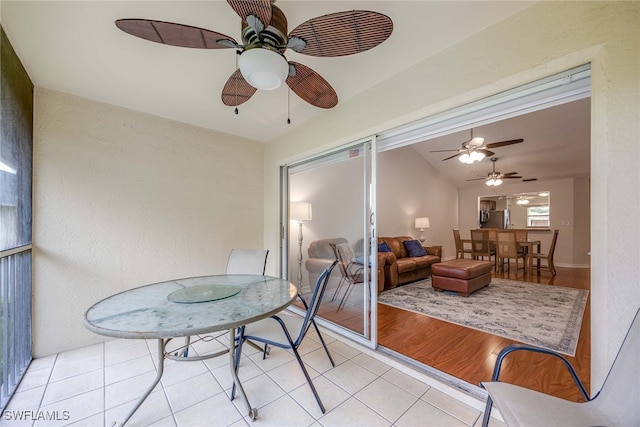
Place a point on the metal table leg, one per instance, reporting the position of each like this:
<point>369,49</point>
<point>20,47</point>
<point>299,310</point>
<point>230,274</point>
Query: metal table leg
<point>253,412</point>
<point>161,347</point>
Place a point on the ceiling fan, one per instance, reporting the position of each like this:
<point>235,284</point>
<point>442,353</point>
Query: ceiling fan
<point>495,178</point>
<point>474,149</point>
<point>261,60</point>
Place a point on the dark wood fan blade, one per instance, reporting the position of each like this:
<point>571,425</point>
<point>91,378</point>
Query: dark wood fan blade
<point>312,87</point>
<point>452,157</point>
<point>511,177</point>
<point>446,151</point>
<point>261,9</point>
<point>237,91</point>
<point>476,179</point>
<point>173,34</point>
<point>486,152</point>
<point>510,173</point>
<point>503,143</point>
<point>343,33</point>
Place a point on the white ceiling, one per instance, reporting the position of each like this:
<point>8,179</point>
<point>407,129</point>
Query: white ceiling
<point>74,47</point>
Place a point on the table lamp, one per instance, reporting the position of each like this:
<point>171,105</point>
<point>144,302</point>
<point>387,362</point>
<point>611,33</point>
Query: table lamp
<point>422,223</point>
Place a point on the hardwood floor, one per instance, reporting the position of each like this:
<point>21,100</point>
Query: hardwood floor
<point>469,354</point>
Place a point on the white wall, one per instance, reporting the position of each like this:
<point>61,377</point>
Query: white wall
<point>546,38</point>
<point>409,187</point>
<point>123,199</point>
<point>569,213</point>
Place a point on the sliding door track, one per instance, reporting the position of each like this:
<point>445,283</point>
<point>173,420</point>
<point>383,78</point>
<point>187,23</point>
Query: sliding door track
<point>454,382</point>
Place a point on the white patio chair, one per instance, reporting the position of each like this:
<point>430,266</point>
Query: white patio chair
<point>247,261</point>
<point>240,261</point>
<point>616,404</point>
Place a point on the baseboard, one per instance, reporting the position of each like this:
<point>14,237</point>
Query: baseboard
<point>543,264</point>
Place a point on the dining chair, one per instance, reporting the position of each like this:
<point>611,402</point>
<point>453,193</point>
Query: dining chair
<point>521,234</point>
<point>240,261</point>
<point>460,250</point>
<point>351,270</point>
<point>548,256</point>
<point>616,404</point>
<point>287,331</point>
<point>508,248</point>
<point>481,246</point>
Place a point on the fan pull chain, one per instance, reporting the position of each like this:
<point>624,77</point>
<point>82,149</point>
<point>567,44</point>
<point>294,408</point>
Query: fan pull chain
<point>236,86</point>
<point>288,105</point>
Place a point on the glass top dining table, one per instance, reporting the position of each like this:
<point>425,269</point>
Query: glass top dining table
<point>188,307</point>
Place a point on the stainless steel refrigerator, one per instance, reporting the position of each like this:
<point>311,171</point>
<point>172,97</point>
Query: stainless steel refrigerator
<point>497,219</point>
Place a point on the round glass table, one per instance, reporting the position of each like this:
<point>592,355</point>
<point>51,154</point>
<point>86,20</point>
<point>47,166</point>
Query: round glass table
<point>188,307</point>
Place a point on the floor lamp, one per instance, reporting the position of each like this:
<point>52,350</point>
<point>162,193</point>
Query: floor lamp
<point>300,211</point>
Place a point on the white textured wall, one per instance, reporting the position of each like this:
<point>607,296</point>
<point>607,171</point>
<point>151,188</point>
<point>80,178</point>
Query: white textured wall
<point>547,38</point>
<point>409,187</point>
<point>123,199</point>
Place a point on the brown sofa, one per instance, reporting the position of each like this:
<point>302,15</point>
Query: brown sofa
<point>400,268</point>
<point>321,255</point>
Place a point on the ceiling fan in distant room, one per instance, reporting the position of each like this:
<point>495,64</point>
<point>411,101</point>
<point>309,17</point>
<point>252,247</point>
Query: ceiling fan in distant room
<point>474,149</point>
<point>261,60</point>
<point>495,178</point>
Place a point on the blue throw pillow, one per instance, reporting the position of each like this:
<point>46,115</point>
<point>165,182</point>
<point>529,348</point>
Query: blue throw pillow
<point>414,248</point>
<point>383,247</point>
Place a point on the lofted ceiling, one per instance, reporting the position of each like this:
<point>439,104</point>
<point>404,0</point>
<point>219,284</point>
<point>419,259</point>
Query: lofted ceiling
<point>556,146</point>
<point>75,47</point>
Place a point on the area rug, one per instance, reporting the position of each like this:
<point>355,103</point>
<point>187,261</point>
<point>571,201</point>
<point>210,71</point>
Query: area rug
<point>541,315</point>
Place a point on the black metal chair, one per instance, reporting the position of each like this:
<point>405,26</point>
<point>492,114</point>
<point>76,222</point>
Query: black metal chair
<point>277,331</point>
<point>352,271</point>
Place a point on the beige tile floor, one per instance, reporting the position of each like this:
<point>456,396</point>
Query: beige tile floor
<point>97,385</point>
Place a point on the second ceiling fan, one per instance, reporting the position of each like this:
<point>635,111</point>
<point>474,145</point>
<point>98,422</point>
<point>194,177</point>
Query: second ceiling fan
<point>474,149</point>
<point>495,178</point>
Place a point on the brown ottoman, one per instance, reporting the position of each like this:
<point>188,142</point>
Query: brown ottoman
<point>461,275</point>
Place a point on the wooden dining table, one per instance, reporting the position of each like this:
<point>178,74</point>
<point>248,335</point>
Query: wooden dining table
<point>527,244</point>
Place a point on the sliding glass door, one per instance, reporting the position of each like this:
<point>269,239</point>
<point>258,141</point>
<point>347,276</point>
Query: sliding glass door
<point>328,213</point>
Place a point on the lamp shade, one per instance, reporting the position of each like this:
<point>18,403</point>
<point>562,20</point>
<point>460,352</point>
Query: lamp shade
<point>263,68</point>
<point>300,211</point>
<point>422,222</point>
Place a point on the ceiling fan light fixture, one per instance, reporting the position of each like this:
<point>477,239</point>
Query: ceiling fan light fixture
<point>476,156</point>
<point>494,182</point>
<point>471,156</point>
<point>263,69</point>
<point>466,158</point>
